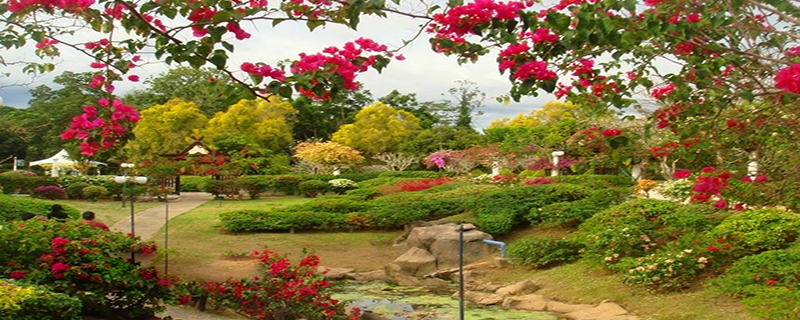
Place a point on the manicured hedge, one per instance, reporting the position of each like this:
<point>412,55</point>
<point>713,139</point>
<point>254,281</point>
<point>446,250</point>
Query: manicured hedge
<point>22,182</point>
<point>13,207</point>
<point>342,212</point>
<point>498,211</point>
<point>573,213</point>
<point>597,181</point>
<point>544,252</point>
<point>190,183</point>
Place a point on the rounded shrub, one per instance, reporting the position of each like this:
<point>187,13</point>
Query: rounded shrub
<point>75,190</point>
<point>13,208</point>
<point>94,192</point>
<point>28,302</point>
<point>544,252</point>
<point>754,231</point>
<point>312,188</point>
<point>49,192</point>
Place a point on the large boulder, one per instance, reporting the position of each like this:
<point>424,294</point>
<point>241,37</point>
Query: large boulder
<point>442,241</point>
<point>414,262</point>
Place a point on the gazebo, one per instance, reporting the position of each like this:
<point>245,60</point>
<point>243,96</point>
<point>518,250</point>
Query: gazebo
<point>62,160</point>
<point>196,148</point>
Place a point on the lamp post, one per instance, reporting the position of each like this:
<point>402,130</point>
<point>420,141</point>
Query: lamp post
<point>125,166</point>
<point>134,180</point>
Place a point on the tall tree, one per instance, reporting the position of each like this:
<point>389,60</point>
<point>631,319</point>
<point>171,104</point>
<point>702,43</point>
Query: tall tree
<point>467,98</point>
<point>424,111</point>
<point>259,125</point>
<point>378,128</point>
<point>204,87</point>
<point>51,110</point>
<point>319,119</point>
<point>166,129</point>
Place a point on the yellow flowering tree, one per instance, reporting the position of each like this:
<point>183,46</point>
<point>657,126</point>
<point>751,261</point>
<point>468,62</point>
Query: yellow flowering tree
<point>166,129</point>
<point>259,125</point>
<point>327,156</point>
<point>378,128</point>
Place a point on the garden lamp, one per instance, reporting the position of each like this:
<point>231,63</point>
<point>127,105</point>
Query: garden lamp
<point>124,180</point>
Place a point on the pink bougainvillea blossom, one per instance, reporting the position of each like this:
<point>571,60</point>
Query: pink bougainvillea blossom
<point>789,79</point>
<point>682,174</point>
<point>662,91</point>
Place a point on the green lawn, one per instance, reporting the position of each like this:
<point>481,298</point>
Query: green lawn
<point>196,241</point>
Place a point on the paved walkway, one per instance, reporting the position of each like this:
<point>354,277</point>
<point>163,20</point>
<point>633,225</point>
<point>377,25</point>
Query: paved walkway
<point>148,222</point>
<point>146,225</point>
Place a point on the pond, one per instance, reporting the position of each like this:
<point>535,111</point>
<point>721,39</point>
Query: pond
<point>407,303</point>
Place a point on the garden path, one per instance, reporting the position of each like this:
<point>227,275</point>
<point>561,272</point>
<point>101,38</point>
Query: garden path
<point>148,222</point>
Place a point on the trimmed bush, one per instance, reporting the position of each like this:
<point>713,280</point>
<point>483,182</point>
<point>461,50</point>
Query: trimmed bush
<point>286,183</point>
<point>192,183</point>
<point>22,181</point>
<point>330,204</point>
<point>94,192</point>
<point>597,181</point>
<point>12,208</point>
<point>364,193</point>
<point>413,174</point>
<point>253,185</point>
<point>312,188</point>
<point>544,252</point>
<point>638,227</point>
<point>75,190</point>
<point>497,212</point>
<point>573,213</point>
<point>49,192</point>
<point>26,302</point>
<point>259,220</point>
<point>768,283</point>
<point>753,231</point>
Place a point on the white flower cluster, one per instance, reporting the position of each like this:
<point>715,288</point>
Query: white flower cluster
<point>342,183</point>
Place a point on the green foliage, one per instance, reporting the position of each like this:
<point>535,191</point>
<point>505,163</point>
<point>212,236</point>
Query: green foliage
<point>497,212</point>
<point>413,174</point>
<point>88,263</point>
<point>75,189</point>
<point>670,269</point>
<point>253,185</point>
<point>191,183</point>
<point>94,192</point>
<point>377,128</point>
<point>754,231</point>
<point>12,208</point>
<point>166,128</point>
<point>286,183</point>
<point>544,252</point>
<point>22,182</point>
<point>312,188</point>
<point>364,193</point>
<point>767,282</point>
<point>597,181</point>
<point>573,213</point>
<point>27,302</point>
<point>680,189</point>
<point>638,227</point>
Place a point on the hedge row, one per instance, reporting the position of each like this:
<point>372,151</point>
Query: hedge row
<point>343,212</point>
<point>27,302</point>
<point>499,211</point>
<point>573,213</point>
<point>13,207</point>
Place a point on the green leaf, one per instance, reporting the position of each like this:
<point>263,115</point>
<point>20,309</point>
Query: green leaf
<point>617,55</point>
<point>221,16</point>
<point>219,59</point>
<point>313,24</point>
<point>549,85</point>
<point>37,36</point>
<point>630,5</point>
<point>196,62</point>
<point>560,22</point>
<point>747,95</point>
<point>227,46</point>
<point>285,91</point>
<point>453,3</point>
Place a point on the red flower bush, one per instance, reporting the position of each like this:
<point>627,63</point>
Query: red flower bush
<point>418,185</point>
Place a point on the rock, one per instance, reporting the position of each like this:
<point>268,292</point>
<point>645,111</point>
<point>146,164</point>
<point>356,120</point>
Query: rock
<point>414,262</point>
<point>335,273</point>
<point>531,302</point>
<point>603,311</point>
<point>480,298</point>
<point>405,281</point>
<point>375,275</point>
<point>371,316</point>
<point>442,242</point>
<point>484,286</point>
<point>503,262</point>
<point>562,307</point>
<point>523,287</point>
<point>433,283</point>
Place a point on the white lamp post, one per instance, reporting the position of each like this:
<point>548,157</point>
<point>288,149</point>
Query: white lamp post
<point>556,154</point>
<point>134,180</point>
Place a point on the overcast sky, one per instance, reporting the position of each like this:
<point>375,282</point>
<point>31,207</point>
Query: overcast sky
<point>424,72</point>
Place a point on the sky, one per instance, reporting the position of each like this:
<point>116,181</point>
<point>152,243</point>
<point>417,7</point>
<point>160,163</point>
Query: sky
<point>423,72</point>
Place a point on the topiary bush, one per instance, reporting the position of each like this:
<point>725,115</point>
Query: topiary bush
<point>94,192</point>
<point>192,183</point>
<point>597,181</point>
<point>28,302</point>
<point>498,211</point>
<point>23,181</point>
<point>312,188</point>
<point>49,192</point>
<point>544,252</point>
<point>413,174</point>
<point>12,208</point>
<point>753,231</point>
<point>75,190</point>
<point>286,183</point>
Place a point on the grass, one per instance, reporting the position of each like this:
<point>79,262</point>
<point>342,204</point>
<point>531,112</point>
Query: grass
<point>107,211</point>
<point>197,240</point>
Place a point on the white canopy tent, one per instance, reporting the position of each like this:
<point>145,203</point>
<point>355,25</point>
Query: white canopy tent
<point>61,160</point>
